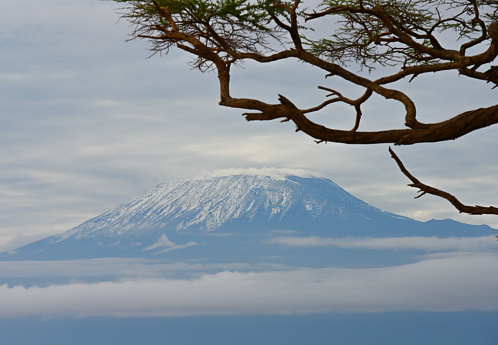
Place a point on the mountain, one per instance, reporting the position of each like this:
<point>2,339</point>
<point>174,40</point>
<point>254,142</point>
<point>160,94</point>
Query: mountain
<point>230,218</point>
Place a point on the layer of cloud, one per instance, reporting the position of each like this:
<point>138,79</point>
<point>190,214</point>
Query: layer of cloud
<point>276,173</point>
<point>450,283</point>
<point>168,245</point>
<point>117,268</point>
<point>393,243</point>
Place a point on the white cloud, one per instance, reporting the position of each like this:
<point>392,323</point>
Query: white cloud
<point>441,284</point>
<point>116,268</point>
<point>393,243</point>
<point>165,242</point>
<point>276,173</point>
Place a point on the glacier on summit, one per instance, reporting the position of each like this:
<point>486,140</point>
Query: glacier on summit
<point>231,211</point>
<point>209,203</point>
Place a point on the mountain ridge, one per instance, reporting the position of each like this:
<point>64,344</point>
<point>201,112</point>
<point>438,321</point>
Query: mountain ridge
<point>186,213</point>
<point>207,203</point>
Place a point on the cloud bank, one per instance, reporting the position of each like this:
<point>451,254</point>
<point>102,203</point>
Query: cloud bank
<point>447,283</point>
<point>393,243</point>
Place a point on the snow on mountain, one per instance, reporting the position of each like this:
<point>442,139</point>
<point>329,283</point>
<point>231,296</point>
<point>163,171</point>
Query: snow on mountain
<point>209,203</point>
<point>178,215</point>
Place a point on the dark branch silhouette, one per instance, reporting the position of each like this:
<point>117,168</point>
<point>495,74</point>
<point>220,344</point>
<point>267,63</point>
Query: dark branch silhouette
<point>426,189</point>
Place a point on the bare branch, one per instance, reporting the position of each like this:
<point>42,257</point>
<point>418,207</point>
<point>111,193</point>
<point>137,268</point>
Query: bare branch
<point>426,189</point>
<point>451,129</point>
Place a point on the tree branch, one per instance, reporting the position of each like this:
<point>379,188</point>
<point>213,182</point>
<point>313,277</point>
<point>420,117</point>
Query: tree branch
<point>426,189</point>
<point>451,129</point>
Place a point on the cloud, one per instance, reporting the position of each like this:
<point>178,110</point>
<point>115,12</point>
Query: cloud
<point>116,268</point>
<point>450,283</point>
<point>165,242</point>
<point>393,243</point>
<point>276,173</point>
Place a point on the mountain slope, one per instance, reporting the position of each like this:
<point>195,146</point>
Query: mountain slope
<point>207,204</point>
<point>227,212</point>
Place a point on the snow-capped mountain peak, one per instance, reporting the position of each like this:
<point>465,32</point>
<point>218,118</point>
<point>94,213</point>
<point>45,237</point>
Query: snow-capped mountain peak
<point>227,211</point>
<point>208,203</point>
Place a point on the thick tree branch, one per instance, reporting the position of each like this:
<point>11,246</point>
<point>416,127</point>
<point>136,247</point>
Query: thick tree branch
<point>451,129</point>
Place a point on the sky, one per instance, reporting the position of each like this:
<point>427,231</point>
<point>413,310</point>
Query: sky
<point>88,120</point>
